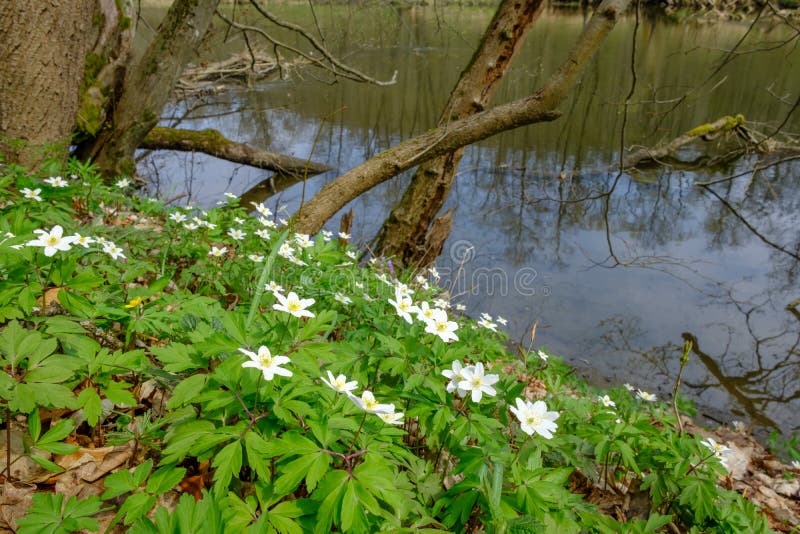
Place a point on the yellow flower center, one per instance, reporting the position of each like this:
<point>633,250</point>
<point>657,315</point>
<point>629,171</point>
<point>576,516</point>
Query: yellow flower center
<point>266,360</point>
<point>294,305</point>
<point>534,419</point>
<point>52,240</point>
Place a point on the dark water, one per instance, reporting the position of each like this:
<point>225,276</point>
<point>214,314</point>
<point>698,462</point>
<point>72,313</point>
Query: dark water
<point>616,270</point>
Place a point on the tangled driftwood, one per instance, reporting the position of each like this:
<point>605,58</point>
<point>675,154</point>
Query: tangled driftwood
<point>243,68</point>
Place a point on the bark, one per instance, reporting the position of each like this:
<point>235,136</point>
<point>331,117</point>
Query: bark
<point>42,50</point>
<point>213,143</point>
<point>404,234</point>
<point>105,67</point>
<point>148,84</point>
<point>538,107</point>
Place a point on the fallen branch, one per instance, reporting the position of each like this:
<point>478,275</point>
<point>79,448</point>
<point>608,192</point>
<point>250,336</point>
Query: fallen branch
<point>705,131</point>
<point>213,143</point>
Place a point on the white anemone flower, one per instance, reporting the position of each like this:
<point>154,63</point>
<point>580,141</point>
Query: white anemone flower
<point>262,209</point>
<point>293,304</point>
<point>344,236</point>
<point>114,251</point>
<point>488,324</point>
<point>340,383</point>
<point>191,226</point>
<point>425,313</point>
<point>303,240</point>
<point>368,403</point>
<point>52,241</point>
<point>395,418</point>
<point>83,240</point>
<point>177,216</point>
<point>717,448</point>
<point>122,183</point>
<point>236,234</point>
<point>502,320</point>
<point>32,193</point>
<point>606,401</point>
<point>645,396</point>
<point>56,181</point>
<point>534,417</point>
<point>442,327</point>
<point>265,362</point>
<point>476,381</point>
<point>274,287</point>
<point>217,251</point>
<point>344,299</point>
<point>455,375</point>
<point>542,354</point>
<point>404,306</point>
<point>257,258</point>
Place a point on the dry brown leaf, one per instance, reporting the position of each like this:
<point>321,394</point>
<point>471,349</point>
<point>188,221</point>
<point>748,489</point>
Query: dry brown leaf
<point>15,499</point>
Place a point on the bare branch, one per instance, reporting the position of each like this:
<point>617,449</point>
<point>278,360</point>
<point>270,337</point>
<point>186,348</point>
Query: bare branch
<point>334,66</point>
<point>213,143</point>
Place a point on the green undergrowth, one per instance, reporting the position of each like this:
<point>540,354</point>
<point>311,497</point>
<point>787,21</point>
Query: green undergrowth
<point>162,331</point>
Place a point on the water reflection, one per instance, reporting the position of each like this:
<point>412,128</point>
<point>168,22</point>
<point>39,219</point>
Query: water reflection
<point>617,271</point>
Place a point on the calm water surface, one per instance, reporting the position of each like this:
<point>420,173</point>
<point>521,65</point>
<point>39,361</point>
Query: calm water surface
<point>617,271</point>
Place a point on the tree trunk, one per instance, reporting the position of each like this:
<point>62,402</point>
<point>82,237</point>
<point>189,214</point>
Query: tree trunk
<point>42,51</point>
<point>148,84</point>
<point>535,108</point>
<point>404,234</point>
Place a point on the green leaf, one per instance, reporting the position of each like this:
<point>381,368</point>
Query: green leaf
<point>135,506</point>
<point>293,473</point>
<point>322,322</point>
<point>34,425</point>
<point>186,390</point>
<point>50,395</point>
<point>141,472</point>
<point>164,479</point>
<point>227,464</point>
<point>77,305</point>
<point>48,513</point>
<point>178,357</point>
<point>350,507</point>
<point>47,464</point>
<point>118,393</point>
<point>92,405</point>
<point>118,483</point>
<point>57,432</point>
<point>257,455</point>
<point>332,488</point>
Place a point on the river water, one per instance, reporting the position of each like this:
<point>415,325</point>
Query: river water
<point>615,270</point>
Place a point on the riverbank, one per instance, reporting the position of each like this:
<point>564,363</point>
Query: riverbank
<point>166,364</point>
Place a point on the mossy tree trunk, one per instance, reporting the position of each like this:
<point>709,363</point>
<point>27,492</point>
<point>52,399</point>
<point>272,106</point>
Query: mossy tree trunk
<point>42,51</point>
<point>147,86</point>
<point>405,233</point>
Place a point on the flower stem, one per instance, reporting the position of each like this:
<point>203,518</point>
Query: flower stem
<point>355,437</point>
<point>262,280</point>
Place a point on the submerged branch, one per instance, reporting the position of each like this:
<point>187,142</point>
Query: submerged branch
<point>213,143</point>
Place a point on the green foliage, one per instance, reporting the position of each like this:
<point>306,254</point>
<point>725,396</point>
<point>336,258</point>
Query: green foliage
<point>49,513</point>
<point>252,402</point>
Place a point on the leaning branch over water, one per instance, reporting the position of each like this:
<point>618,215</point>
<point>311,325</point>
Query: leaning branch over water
<point>213,143</point>
<point>538,107</point>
